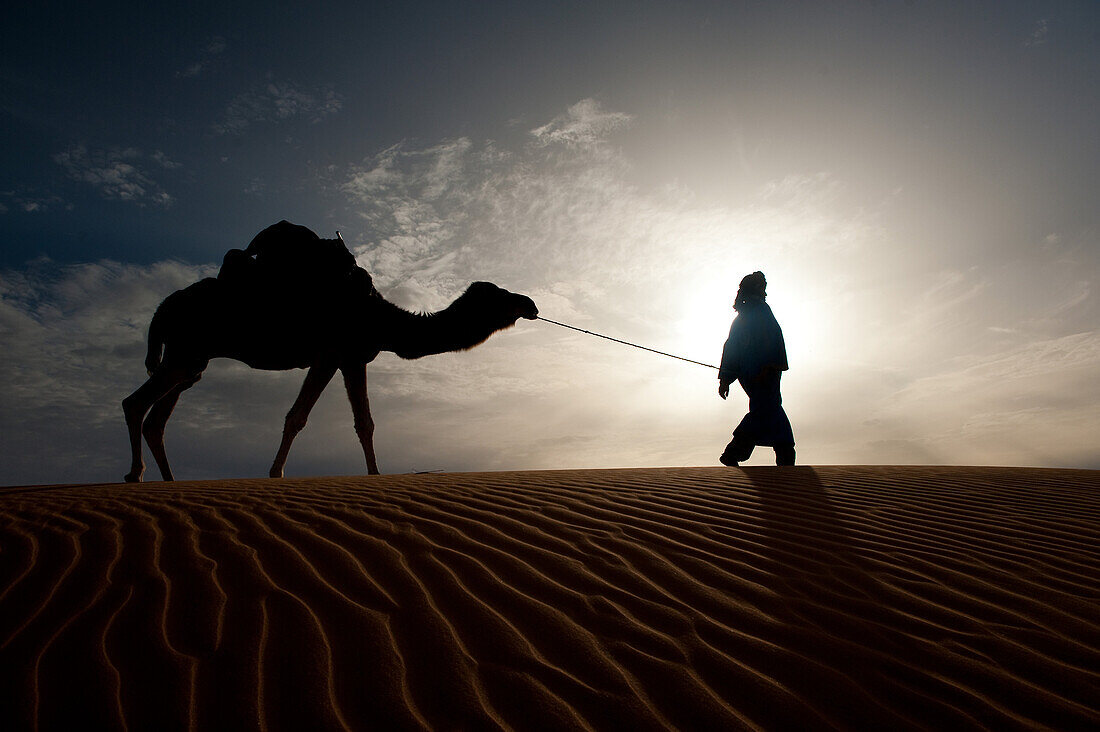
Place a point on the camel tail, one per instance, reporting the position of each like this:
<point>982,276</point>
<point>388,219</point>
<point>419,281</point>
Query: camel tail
<point>156,342</point>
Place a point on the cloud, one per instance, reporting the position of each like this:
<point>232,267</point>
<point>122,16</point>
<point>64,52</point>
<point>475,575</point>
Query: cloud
<point>117,173</point>
<point>255,187</point>
<point>210,50</point>
<point>1039,33</point>
<point>30,203</point>
<point>277,101</point>
<point>1031,404</point>
<point>162,160</point>
<point>215,46</point>
<point>74,338</point>
<point>584,123</point>
<point>572,218</point>
<point>399,171</point>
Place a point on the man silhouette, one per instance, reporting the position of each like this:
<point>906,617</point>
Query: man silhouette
<point>755,356</point>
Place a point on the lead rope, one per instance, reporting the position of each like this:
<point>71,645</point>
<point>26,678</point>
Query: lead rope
<point>625,343</point>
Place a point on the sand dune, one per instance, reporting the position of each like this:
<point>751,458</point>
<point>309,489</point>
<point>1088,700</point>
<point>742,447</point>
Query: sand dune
<point>850,597</point>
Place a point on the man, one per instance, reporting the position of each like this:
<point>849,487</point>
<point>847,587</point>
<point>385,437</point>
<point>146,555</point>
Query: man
<point>756,356</point>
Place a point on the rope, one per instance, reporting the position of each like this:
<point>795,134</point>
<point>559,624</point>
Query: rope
<point>625,343</point>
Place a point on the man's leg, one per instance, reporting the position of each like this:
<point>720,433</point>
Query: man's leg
<point>738,451</point>
<point>784,455</point>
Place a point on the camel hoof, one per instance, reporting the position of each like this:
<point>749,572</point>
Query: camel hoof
<point>133,477</point>
<point>275,473</point>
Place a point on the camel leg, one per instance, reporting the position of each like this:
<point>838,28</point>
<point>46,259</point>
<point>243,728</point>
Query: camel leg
<point>153,427</point>
<point>317,379</point>
<point>162,381</point>
<point>355,380</point>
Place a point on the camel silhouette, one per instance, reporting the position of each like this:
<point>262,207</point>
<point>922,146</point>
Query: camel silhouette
<point>332,325</point>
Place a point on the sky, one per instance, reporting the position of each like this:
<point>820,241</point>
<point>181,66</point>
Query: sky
<point>917,180</point>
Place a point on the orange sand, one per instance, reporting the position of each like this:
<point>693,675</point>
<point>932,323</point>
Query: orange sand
<point>706,598</point>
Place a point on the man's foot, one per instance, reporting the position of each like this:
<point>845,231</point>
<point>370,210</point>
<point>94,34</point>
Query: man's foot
<point>725,459</point>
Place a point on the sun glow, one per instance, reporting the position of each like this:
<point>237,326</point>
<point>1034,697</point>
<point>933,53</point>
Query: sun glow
<point>704,319</point>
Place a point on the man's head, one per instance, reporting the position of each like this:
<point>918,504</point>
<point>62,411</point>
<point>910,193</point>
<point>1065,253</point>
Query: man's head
<point>753,288</point>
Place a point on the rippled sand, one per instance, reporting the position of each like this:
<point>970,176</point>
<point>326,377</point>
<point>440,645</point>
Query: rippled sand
<point>717,598</point>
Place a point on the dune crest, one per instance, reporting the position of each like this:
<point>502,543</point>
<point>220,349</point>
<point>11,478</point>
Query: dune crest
<point>874,597</point>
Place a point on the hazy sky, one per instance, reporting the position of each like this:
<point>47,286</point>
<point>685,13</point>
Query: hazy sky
<point>916,179</point>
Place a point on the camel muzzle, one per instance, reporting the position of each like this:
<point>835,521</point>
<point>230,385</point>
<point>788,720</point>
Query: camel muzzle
<point>527,309</point>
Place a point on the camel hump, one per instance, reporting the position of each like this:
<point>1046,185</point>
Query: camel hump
<point>283,238</point>
<point>238,269</point>
<point>289,254</point>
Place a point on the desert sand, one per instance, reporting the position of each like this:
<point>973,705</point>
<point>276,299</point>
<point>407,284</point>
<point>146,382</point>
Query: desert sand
<point>692,598</point>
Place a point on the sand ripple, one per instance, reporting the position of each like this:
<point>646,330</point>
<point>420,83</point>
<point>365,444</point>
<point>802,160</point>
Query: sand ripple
<point>863,597</point>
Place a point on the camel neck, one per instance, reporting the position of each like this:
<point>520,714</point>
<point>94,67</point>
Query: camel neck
<point>414,335</point>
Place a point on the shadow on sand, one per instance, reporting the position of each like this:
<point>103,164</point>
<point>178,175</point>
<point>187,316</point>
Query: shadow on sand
<point>838,617</point>
<point>888,611</point>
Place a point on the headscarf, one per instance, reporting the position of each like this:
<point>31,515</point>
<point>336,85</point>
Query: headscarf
<point>752,290</point>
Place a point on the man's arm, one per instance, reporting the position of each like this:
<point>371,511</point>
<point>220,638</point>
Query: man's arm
<point>727,371</point>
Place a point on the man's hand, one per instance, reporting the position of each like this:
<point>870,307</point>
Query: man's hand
<point>723,388</point>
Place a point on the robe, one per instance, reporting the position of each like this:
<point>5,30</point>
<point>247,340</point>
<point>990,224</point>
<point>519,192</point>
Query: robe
<point>755,356</point>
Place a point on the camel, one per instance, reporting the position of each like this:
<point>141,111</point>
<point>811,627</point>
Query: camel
<point>211,319</point>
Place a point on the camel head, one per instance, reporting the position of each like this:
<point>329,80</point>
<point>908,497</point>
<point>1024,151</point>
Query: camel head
<point>494,306</point>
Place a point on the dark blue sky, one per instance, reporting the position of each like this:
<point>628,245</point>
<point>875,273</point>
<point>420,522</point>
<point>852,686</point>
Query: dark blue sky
<point>917,179</point>
<point>874,77</point>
